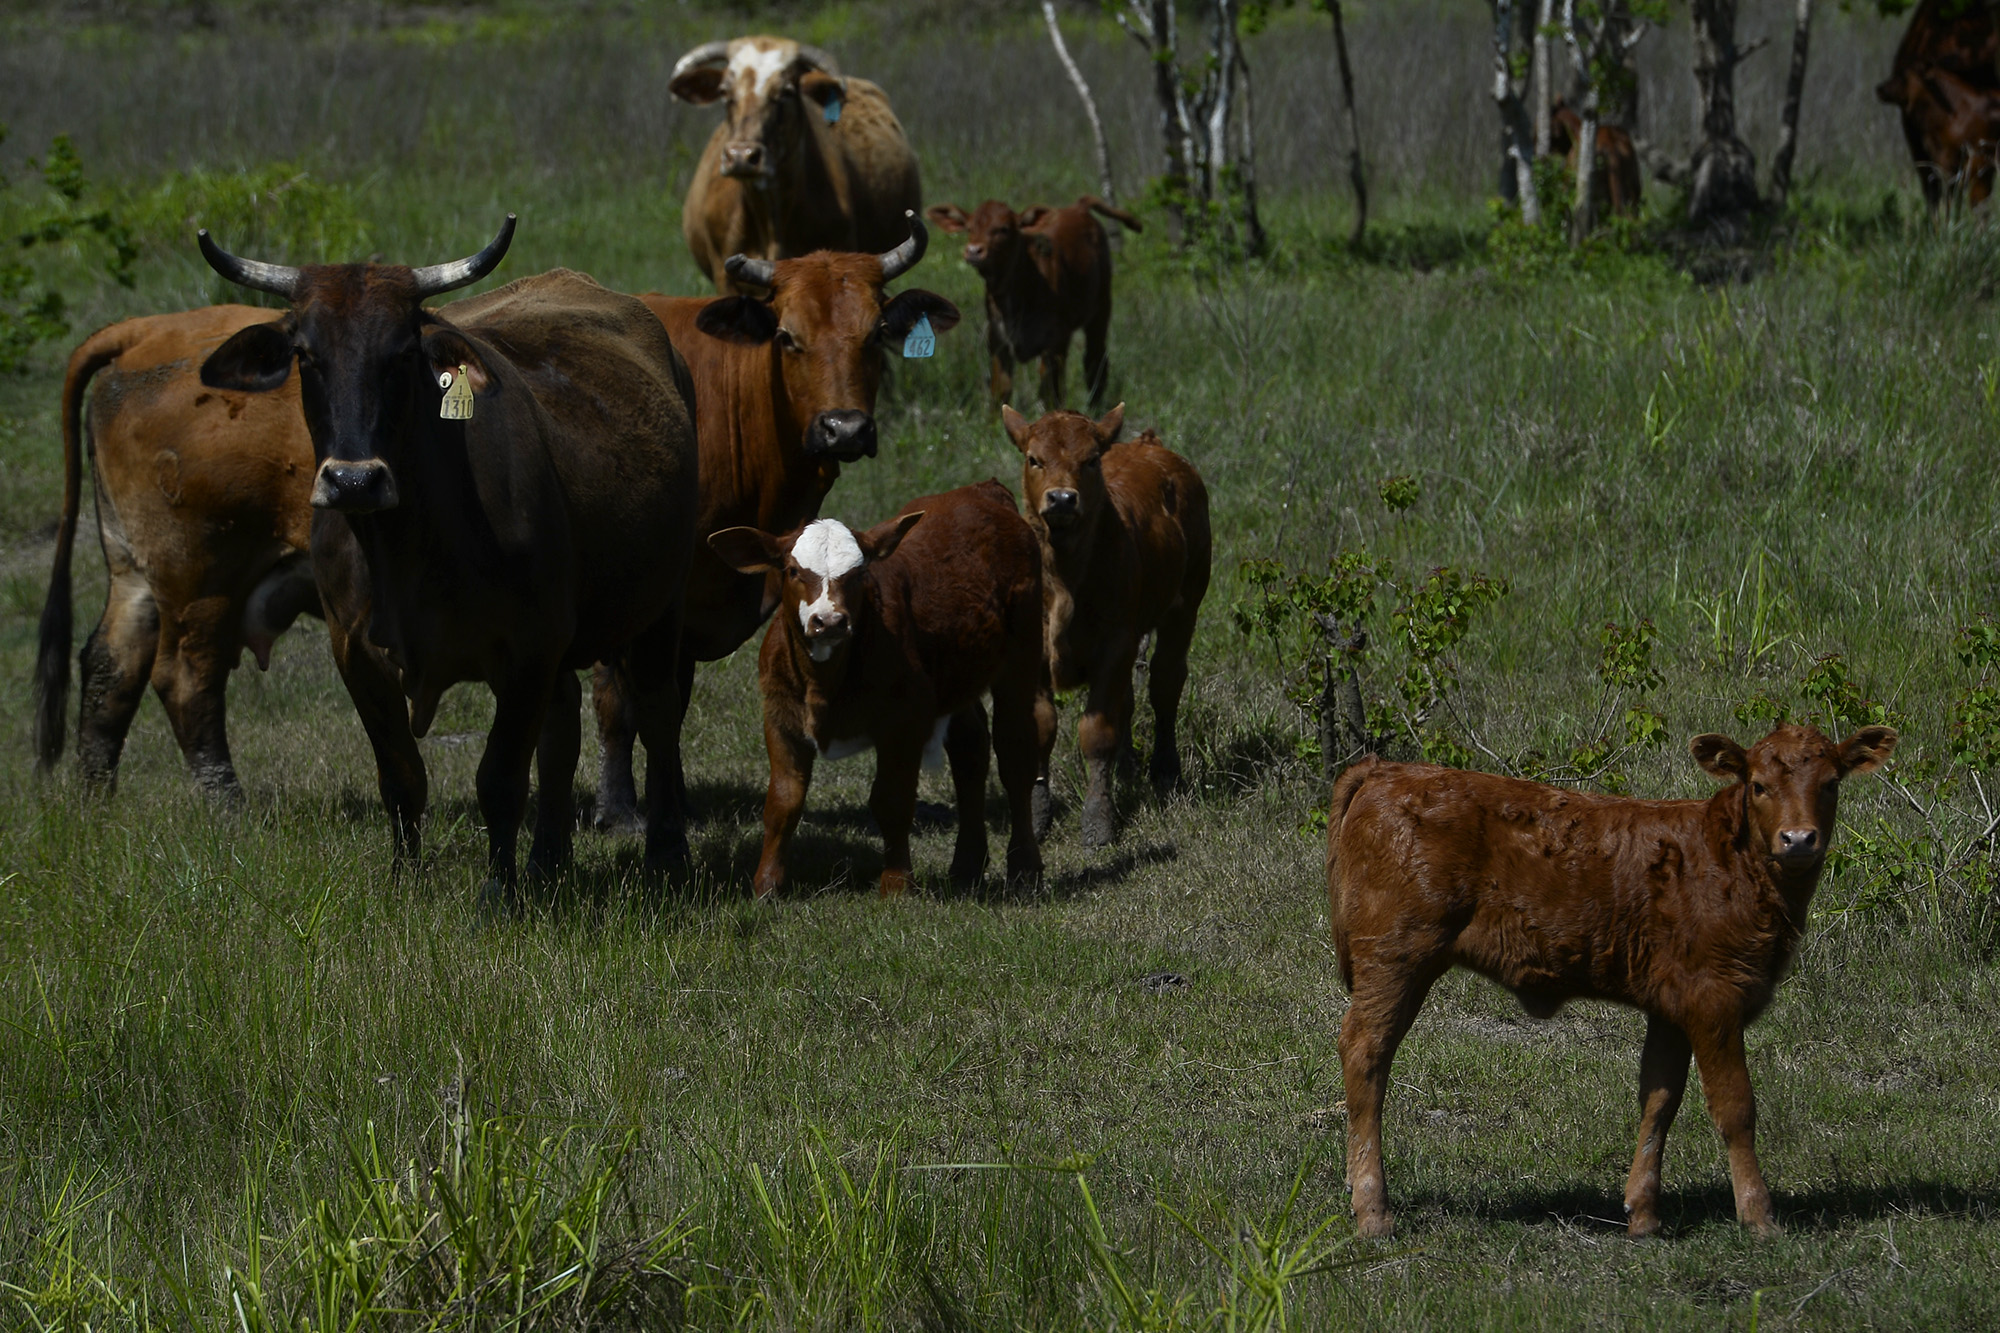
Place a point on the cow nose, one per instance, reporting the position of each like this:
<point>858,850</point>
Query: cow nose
<point>742,159</point>
<point>826,622</point>
<point>1798,841</point>
<point>975,254</point>
<point>846,434</point>
<point>1059,503</point>
<point>362,487</point>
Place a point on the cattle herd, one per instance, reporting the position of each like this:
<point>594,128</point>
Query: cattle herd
<point>551,476</point>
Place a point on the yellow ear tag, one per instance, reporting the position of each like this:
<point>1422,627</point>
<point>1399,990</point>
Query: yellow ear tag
<point>457,404</point>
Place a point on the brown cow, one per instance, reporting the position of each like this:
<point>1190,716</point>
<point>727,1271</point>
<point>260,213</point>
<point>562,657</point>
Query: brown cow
<point>1956,126</point>
<point>202,516</point>
<point>1615,184</point>
<point>806,160</point>
<point>886,639</point>
<point>1959,37</point>
<point>1688,910</point>
<point>1048,274</point>
<point>1125,553</point>
<point>785,391</point>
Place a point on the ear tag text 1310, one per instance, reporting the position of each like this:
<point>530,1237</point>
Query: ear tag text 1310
<point>921,342</point>
<point>832,109</point>
<point>457,404</point>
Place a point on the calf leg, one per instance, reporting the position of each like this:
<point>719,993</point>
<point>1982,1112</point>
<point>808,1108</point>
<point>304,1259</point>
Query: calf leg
<point>1725,1078</point>
<point>1053,364</point>
<point>1106,719</point>
<point>1096,364</point>
<point>617,731</point>
<point>893,802</point>
<point>784,801</point>
<point>385,716</point>
<point>116,662</point>
<point>969,748</point>
<point>1166,677</point>
<point>555,768</point>
<point>1663,1071</point>
<point>1388,992</point>
<point>191,676</point>
<point>1024,724</point>
<point>1042,806</point>
<point>1001,383</point>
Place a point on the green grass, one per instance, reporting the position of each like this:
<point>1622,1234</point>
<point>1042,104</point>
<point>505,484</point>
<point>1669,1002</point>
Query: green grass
<point>249,1078</point>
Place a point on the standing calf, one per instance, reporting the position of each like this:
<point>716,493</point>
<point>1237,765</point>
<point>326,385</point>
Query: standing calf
<point>887,639</point>
<point>1048,274</point>
<point>1688,910</point>
<point>1125,552</point>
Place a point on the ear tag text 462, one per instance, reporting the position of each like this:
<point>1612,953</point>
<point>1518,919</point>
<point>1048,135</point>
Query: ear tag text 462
<point>457,404</point>
<point>832,109</point>
<point>921,342</point>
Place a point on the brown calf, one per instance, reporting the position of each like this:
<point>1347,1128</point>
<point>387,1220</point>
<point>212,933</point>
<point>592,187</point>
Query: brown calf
<point>887,639</point>
<point>1615,183</point>
<point>1958,37</point>
<point>1688,910</point>
<point>1125,552</point>
<point>1953,128</point>
<point>1048,274</point>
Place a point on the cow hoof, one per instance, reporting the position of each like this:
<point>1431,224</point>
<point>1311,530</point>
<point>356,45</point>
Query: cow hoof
<point>498,901</point>
<point>1024,870</point>
<point>619,819</point>
<point>1166,779</point>
<point>1041,809</point>
<point>967,872</point>
<point>1642,1226</point>
<point>1100,826</point>
<point>1376,1226</point>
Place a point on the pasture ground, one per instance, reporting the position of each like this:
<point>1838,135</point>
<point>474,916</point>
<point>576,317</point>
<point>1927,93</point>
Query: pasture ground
<point>236,1052</point>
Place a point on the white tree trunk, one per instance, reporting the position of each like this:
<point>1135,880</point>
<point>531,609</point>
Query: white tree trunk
<point>1104,187</point>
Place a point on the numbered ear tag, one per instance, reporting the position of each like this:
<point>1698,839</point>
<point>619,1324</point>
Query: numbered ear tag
<point>921,342</point>
<point>832,110</point>
<point>457,404</point>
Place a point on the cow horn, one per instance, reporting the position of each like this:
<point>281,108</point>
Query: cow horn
<point>753,272</point>
<point>436,278</point>
<point>815,58</point>
<point>897,262</point>
<point>258,276</point>
<point>708,53</point>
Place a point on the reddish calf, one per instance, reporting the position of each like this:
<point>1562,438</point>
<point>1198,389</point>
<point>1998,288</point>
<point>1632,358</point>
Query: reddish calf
<point>886,639</point>
<point>1048,274</point>
<point>1125,553</point>
<point>1615,183</point>
<point>1953,128</point>
<point>1688,910</point>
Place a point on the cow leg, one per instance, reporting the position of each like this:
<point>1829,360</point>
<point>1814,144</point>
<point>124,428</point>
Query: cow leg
<point>784,801</point>
<point>519,706</point>
<point>555,770</point>
<point>1106,719</point>
<point>893,802</point>
<point>1001,384</point>
<point>1041,804</point>
<point>969,748</point>
<point>617,732</point>
<point>1166,677</point>
<point>1725,1078</point>
<point>191,675</point>
<point>1053,363</point>
<point>1387,996</point>
<point>385,716</point>
<point>653,665</point>
<point>1024,724</point>
<point>1663,1072</point>
<point>1096,362</point>
<point>116,662</point>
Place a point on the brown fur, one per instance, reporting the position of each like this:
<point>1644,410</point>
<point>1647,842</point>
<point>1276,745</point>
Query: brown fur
<point>947,607</point>
<point>843,186</point>
<point>1956,129</point>
<point>1687,910</point>
<point>203,521</point>
<point>1961,39</point>
<point>1615,184</point>
<point>1127,556</point>
<point>1048,274</point>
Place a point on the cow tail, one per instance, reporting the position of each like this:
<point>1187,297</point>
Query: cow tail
<point>1112,211</point>
<point>52,658</point>
<point>1345,788</point>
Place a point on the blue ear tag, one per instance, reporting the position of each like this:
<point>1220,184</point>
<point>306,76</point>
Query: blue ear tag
<point>921,342</point>
<point>833,110</point>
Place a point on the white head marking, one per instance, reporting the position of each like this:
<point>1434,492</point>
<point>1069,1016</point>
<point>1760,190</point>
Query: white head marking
<point>763,65</point>
<point>827,550</point>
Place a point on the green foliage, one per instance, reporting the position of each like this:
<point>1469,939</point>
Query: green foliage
<point>1975,735</point>
<point>1400,492</point>
<point>279,212</point>
<point>33,309</point>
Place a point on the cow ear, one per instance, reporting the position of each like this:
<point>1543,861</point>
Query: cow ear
<point>1016,426</point>
<point>256,359</point>
<point>1034,216</point>
<point>1110,424</point>
<point>880,542</point>
<point>825,92</point>
<point>748,550</point>
<point>700,85</point>
<point>1867,750</point>
<point>1041,243</point>
<point>447,349</point>
<point>948,217</point>
<point>1720,757</point>
<point>900,315</point>
<point>738,319</point>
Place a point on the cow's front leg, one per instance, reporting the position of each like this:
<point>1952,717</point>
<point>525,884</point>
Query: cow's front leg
<point>1054,364</point>
<point>1663,1072</point>
<point>893,802</point>
<point>1106,720</point>
<point>784,801</point>
<point>555,765</point>
<point>519,705</point>
<point>1725,1078</point>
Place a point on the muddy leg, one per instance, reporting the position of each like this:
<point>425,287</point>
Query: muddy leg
<point>1106,719</point>
<point>555,768</point>
<point>1725,1078</point>
<point>969,748</point>
<point>1387,995</point>
<point>617,731</point>
<point>116,662</point>
<point>784,801</point>
<point>191,676</point>
<point>1663,1072</point>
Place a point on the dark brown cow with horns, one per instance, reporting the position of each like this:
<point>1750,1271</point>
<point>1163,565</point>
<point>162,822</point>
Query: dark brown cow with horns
<point>505,492</point>
<point>806,160</point>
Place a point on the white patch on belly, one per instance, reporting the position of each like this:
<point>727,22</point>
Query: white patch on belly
<point>762,65</point>
<point>828,550</point>
<point>934,750</point>
<point>849,746</point>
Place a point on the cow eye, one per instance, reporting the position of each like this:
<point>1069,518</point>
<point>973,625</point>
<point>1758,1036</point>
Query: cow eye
<point>1034,462</point>
<point>1757,788</point>
<point>785,340</point>
<point>1090,462</point>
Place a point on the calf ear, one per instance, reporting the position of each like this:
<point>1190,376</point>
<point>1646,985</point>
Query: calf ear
<point>1110,424</point>
<point>747,550</point>
<point>880,542</point>
<point>739,319</point>
<point>1016,426</point>
<point>1867,750</point>
<point>256,359</point>
<point>900,315</point>
<point>700,85</point>
<point>949,217</point>
<point>1720,757</point>
<point>1034,216</point>
<point>447,349</point>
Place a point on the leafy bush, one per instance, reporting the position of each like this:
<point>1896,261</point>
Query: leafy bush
<point>278,211</point>
<point>32,309</point>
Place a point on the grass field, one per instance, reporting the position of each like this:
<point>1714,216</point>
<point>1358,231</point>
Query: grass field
<point>249,1079</point>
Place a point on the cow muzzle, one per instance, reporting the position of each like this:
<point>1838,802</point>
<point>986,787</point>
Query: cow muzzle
<point>746,162</point>
<point>363,487</point>
<point>1061,507</point>
<point>846,435</point>
<point>1798,844</point>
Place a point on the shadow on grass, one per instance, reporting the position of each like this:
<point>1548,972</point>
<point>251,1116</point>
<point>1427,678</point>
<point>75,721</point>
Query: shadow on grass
<point>1825,1209</point>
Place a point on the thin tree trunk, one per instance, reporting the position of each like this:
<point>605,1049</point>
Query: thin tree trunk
<point>1544,91</point>
<point>1353,129</point>
<point>1104,186</point>
<point>1795,84</point>
<point>1582,46</point>
<point>1254,240</point>
<point>1177,150</point>
<point>1723,172</point>
<point>1517,132</point>
<point>1222,41</point>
